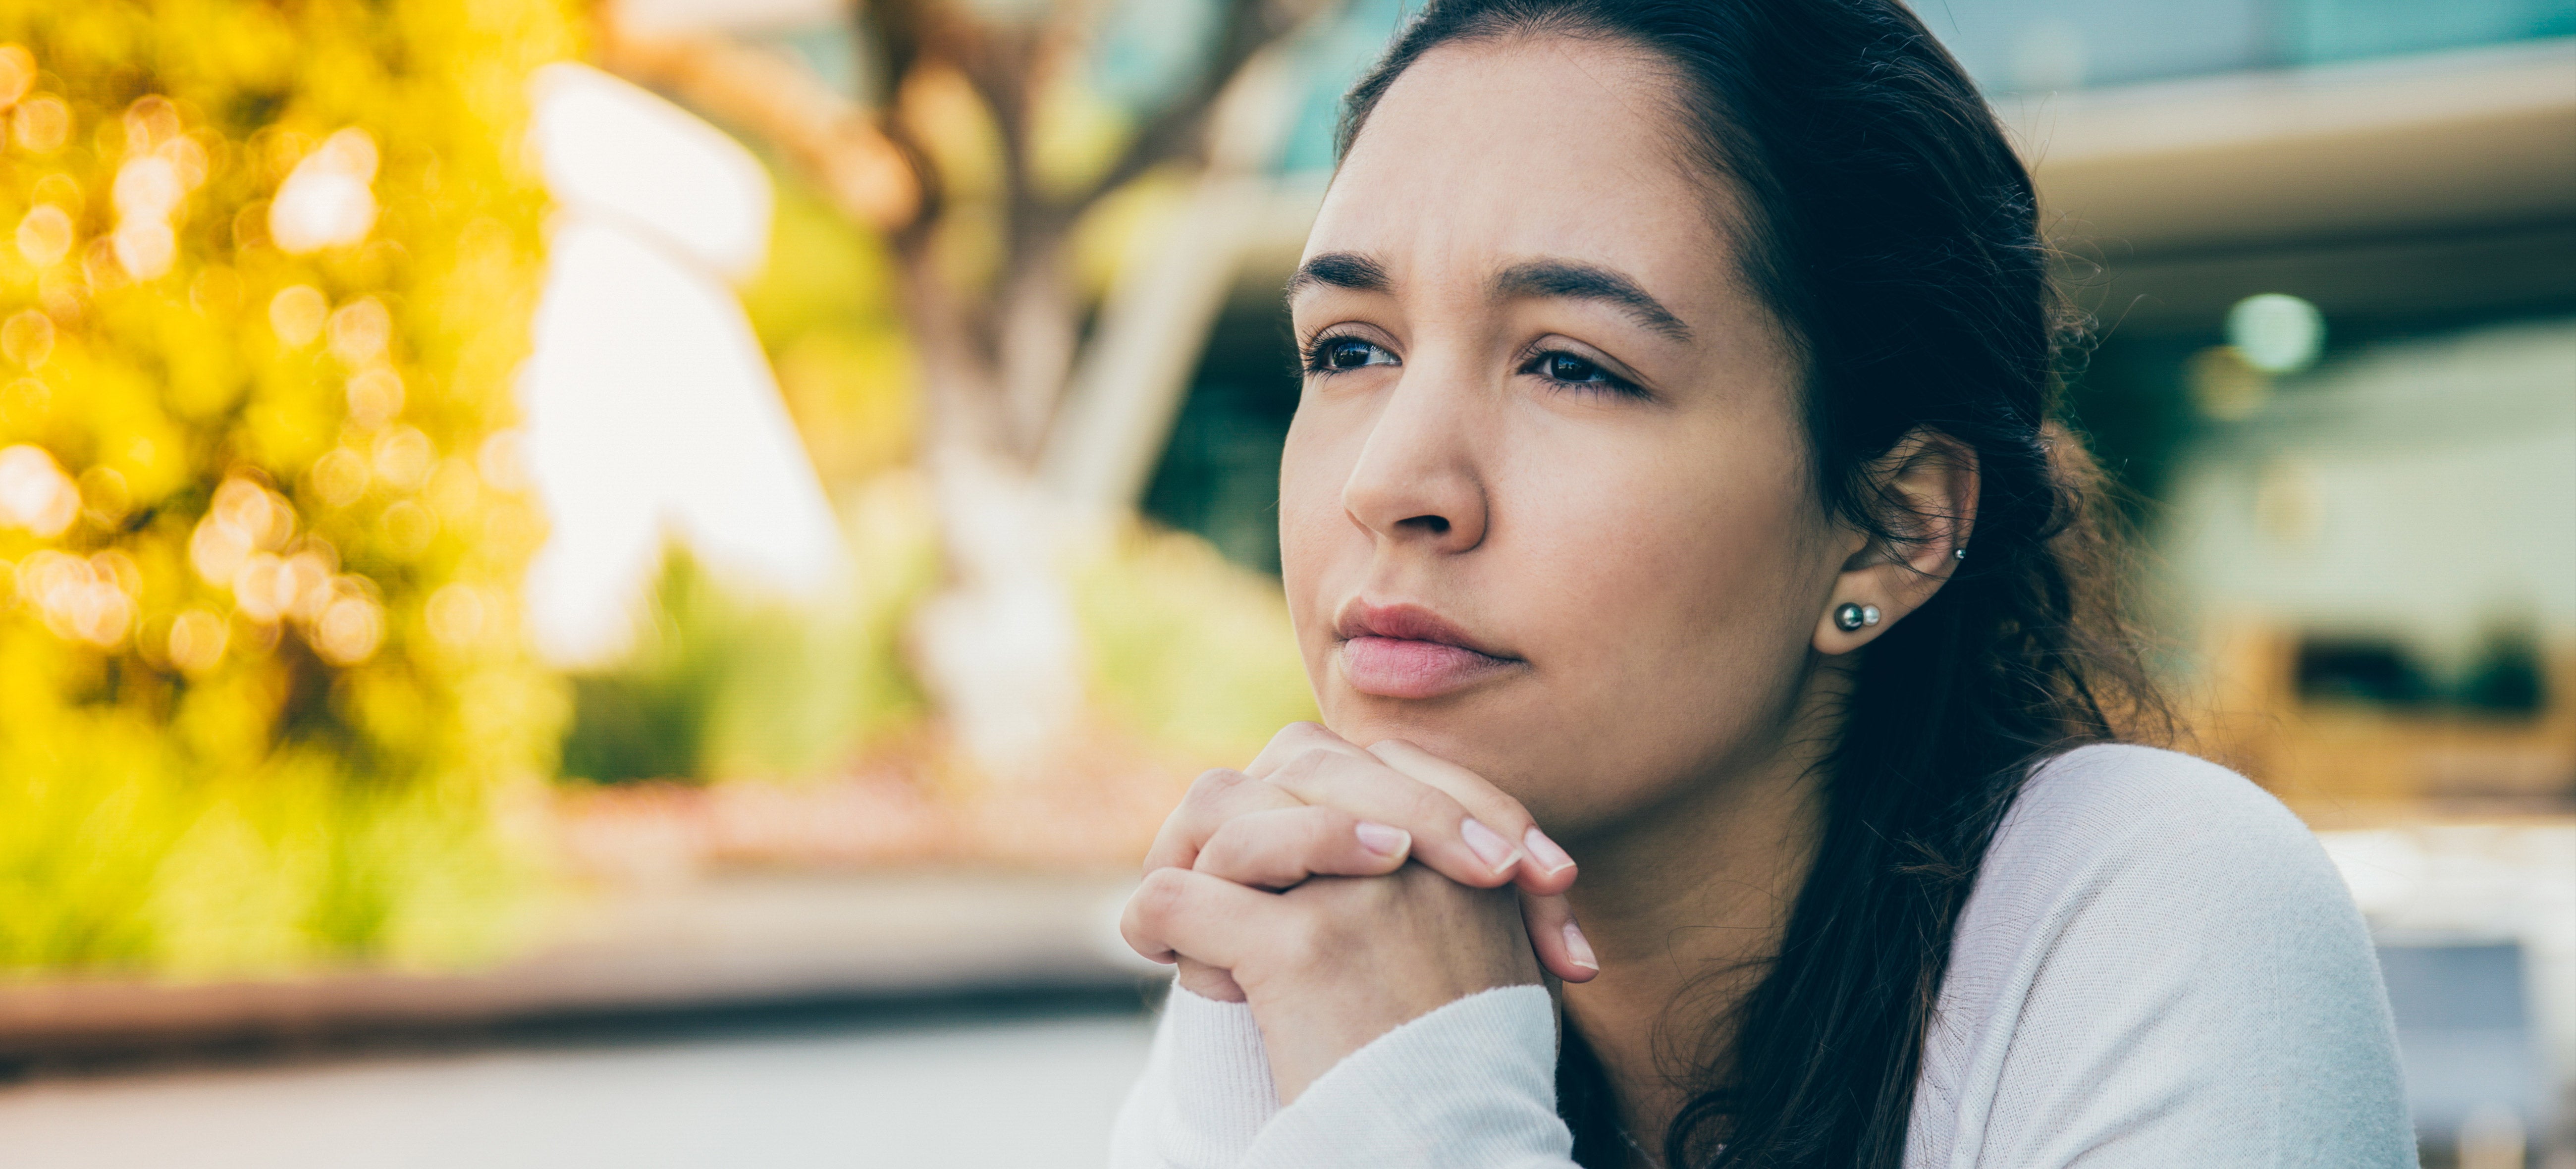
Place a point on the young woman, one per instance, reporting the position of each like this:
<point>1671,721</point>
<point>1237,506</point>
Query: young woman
<point>1675,493</point>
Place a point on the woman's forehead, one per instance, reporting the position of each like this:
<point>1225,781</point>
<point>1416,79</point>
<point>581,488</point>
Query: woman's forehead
<point>1488,153</point>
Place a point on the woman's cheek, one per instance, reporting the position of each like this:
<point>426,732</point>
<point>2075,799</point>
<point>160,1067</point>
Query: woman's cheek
<point>1311,527</point>
<point>1660,628</point>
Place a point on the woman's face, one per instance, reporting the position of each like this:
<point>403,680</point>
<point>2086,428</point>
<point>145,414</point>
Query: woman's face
<point>1546,508</point>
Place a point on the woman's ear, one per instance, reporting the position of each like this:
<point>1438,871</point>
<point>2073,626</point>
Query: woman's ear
<point>1925,489</point>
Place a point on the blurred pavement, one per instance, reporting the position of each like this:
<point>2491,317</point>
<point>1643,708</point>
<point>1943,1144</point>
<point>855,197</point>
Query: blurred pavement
<point>723,942</point>
<point>1025,1094</point>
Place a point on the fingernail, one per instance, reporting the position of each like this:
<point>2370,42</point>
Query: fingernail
<point>1577,950</point>
<point>1382,839</point>
<point>1550,858</point>
<point>1489,845</point>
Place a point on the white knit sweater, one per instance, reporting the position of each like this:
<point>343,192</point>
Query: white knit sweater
<point>2158,967</point>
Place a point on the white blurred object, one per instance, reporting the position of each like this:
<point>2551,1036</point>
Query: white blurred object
<point>612,151</point>
<point>1000,646</point>
<point>328,200</point>
<point>2503,881</point>
<point>2276,332</point>
<point>651,411</point>
<point>2492,1138</point>
<point>35,494</point>
<point>666,17</point>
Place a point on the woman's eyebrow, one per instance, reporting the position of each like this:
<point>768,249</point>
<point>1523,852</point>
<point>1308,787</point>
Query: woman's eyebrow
<point>1580,281</point>
<point>1349,270</point>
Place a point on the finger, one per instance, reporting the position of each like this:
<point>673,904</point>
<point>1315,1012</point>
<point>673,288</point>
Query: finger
<point>1281,848</point>
<point>1297,739</point>
<point>1561,945</point>
<point>1214,798</point>
<point>1208,982</point>
<point>1446,839</point>
<point>1211,919</point>
<point>1544,868</point>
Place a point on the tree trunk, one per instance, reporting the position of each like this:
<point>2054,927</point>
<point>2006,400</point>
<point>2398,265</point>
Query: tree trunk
<point>1029,462</point>
<point>998,648</point>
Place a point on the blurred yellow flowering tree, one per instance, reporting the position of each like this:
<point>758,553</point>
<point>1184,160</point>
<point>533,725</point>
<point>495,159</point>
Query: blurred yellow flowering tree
<point>265,269</point>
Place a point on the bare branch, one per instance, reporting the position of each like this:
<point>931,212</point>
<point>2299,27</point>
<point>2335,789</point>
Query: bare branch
<point>1179,128</point>
<point>867,174</point>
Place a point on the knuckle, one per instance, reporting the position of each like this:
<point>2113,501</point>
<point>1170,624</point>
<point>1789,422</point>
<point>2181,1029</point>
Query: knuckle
<point>1160,896</point>
<point>1303,731</point>
<point>1174,846</point>
<point>1212,783</point>
<point>1225,851</point>
<point>1304,768</point>
<point>1323,831</point>
<point>1317,758</point>
<point>1434,806</point>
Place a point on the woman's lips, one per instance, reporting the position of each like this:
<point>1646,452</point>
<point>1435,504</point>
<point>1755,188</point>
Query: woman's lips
<point>1396,667</point>
<point>1406,651</point>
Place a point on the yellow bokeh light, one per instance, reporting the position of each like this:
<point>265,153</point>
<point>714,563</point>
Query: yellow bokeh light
<point>105,497</point>
<point>41,123</point>
<point>349,630</point>
<point>261,516</point>
<point>17,74</point>
<point>45,235</point>
<point>145,249</point>
<point>255,587</point>
<point>454,489</point>
<point>216,550</point>
<point>197,640</point>
<point>458,615</point>
<point>503,460</point>
<point>27,338</point>
<point>375,397</point>
<point>187,156</point>
<point>359,331</point>
<point>297,313</point>
<point>303,584</point>
<point>116,567</point>
<point>83,599</point>
<point>327,200</point>
<point>60,190</point>
<point>34,492</point>
<point>149,122</point>
<point>147,187</point>
<point>340,477</point>
<point>408,528</point>
<point>403,458</point>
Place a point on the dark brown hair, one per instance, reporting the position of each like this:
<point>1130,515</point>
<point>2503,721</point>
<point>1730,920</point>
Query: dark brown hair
<point>1894,235</point>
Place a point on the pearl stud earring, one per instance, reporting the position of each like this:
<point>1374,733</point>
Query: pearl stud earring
<point>1851,615</point>
<point>1960,553</point>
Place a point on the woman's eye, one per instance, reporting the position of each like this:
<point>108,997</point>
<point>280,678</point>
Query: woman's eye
<point>1340,353</point>
<point>1568,369</point>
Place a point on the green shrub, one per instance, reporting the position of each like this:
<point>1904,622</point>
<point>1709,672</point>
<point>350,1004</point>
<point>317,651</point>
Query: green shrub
<point>265,273</point>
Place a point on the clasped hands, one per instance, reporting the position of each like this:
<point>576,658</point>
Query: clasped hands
<point>1342,891</point>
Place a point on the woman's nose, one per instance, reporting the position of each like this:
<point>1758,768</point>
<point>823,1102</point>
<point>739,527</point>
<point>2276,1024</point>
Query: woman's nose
<point>1417,481</point>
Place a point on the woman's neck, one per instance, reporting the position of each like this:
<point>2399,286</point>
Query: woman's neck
<point>1684,905</point>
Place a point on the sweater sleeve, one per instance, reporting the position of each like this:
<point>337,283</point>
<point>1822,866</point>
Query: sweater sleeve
<point>1471,1085</point>
<point>2171,973</point>
<point>1205,1092</point>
